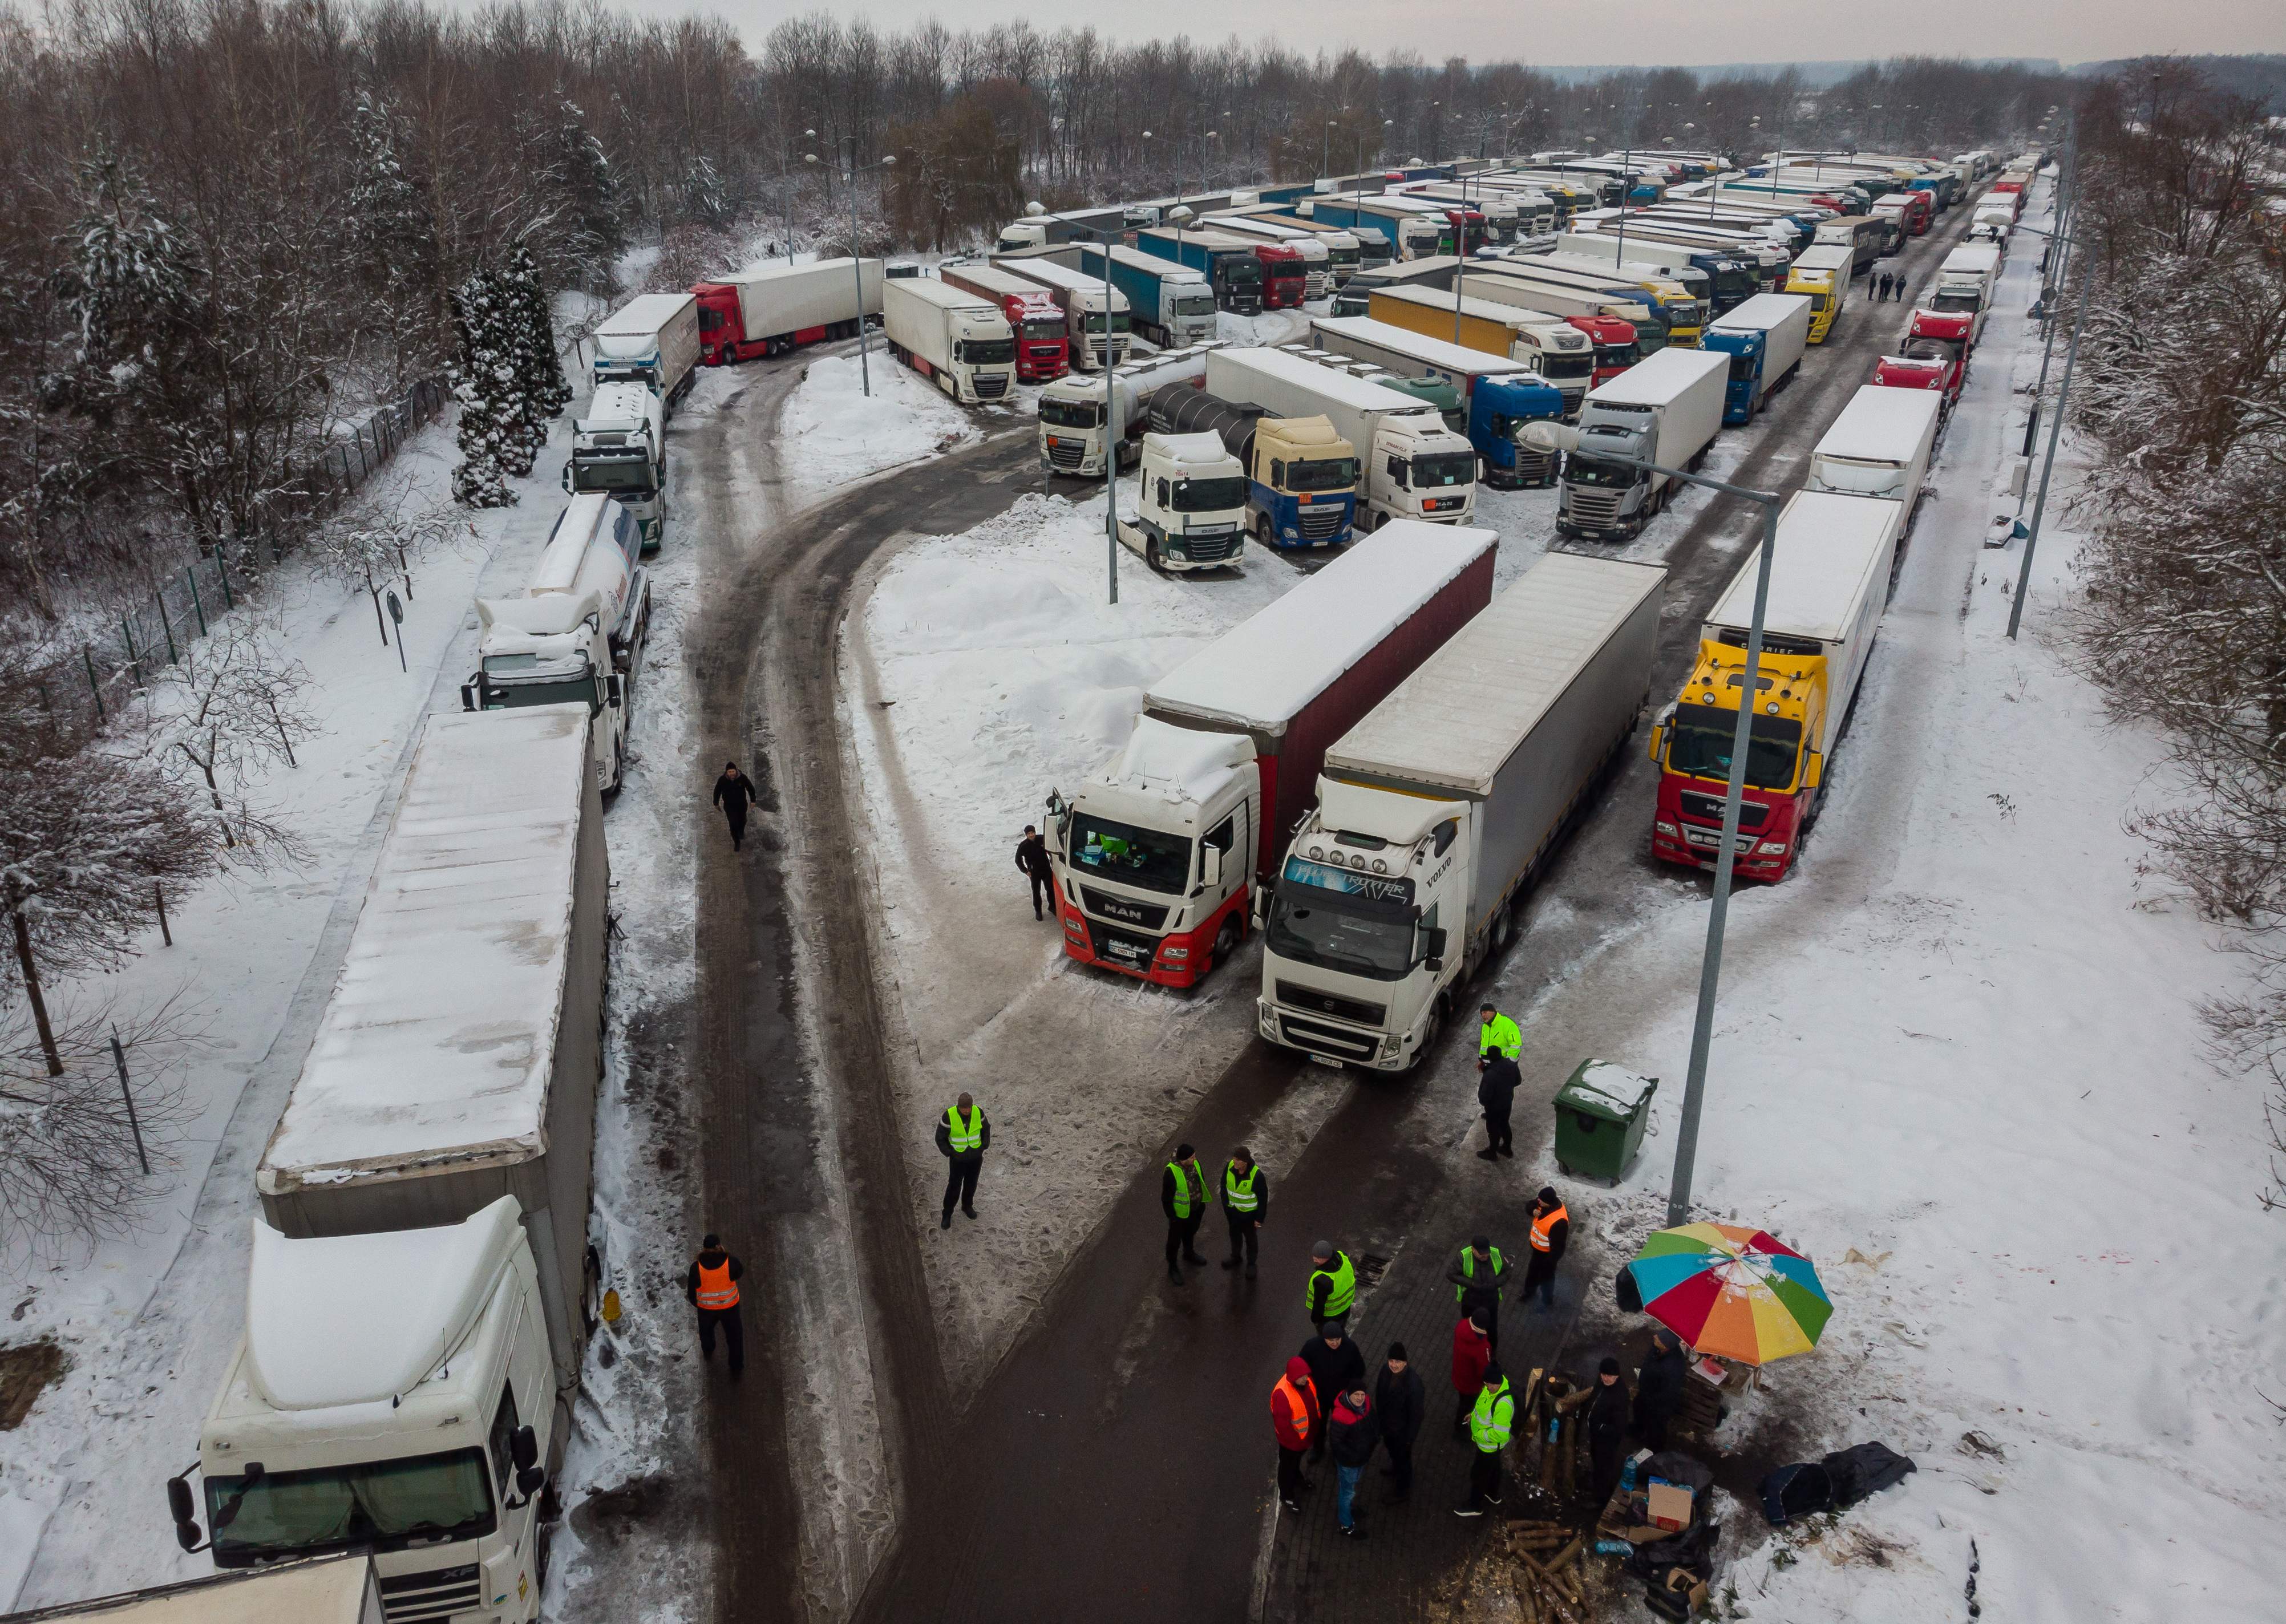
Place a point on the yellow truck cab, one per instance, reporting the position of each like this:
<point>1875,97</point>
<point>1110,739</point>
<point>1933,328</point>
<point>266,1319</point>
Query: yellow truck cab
<point>1822,273</point>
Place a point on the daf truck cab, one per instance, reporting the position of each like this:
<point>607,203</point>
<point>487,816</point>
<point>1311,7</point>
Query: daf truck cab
<point>1190,504</point>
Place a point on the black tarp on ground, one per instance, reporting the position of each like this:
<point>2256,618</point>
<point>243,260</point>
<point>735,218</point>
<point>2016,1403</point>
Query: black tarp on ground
<point>1838,1481</point>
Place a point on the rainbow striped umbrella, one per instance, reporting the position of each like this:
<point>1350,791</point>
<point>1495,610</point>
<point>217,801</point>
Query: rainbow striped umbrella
<point>1731,1291</point>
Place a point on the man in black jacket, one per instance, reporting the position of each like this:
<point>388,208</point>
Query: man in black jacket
<point>1659,1387</point>
<point>1607,1434</point>
<point>1335,1366</point>
<point>1183,1198</point>
<point>1398,1396</point>
<point>1033,862</point>
<point>711,1286</point>
<point>1245,1206</point>
<point>1356,1430</point>
<point>1496,1089</point>
<point>1551,1231</point>
<point>963,1136</point>
<point>733,791</point>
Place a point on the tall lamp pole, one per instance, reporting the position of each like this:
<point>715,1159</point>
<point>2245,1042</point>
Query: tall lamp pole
<point>857,259</point>
<point>1110,422</point>
<point>1549,437</point>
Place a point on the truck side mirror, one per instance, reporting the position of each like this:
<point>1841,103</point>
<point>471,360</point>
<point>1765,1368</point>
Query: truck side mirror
<point>1658,741</point>
<point>567,475</point>
<point>523,1448</point>
<point>1211,865</point>
<point>469,699</point>
<point>1434,941</point>
<point>1813,771</point>
<point>185,1511</point>
<point>619,688</point>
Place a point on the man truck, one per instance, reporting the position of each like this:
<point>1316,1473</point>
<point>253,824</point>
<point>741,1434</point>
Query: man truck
<point>619,449</point>
<point>1043,347</point>
<point>771,309</point>
<point>574,635</point>
<point>1438,809</point>
<point>1160,852</point>
<point>1829,581</point>
<point>1666,409</point>
<point>960,341</point>
<point>1764,338</point>
<point>1498,397</point>
<point>652,340</point>
<point>423,1286</point>
<point>1301,476</point>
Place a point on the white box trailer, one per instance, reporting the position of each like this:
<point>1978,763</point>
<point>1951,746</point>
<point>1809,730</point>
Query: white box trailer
<point>961,341</point>
<point>1091,332</point>
<point>321,1590</point>
<point>1971,266</point>
<point>1439,808</point>
<point>1766,337</point>
<point>651,339</point>
<point>1880,447</point>
<point>1667,408</point>
<point>779,300</point>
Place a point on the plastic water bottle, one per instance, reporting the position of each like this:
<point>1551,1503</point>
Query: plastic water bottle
<point>1627,1476</point>
<point>1614,1548</point>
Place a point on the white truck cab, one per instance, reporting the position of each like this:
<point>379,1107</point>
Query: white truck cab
<point>619,449</point>
<point>1190,507</point>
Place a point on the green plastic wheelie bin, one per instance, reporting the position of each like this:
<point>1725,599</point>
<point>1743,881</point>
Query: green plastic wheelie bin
<point>1600,1114</point>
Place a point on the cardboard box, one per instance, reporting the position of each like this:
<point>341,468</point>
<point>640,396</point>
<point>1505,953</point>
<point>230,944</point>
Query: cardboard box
<point>1682,1581</point>
<point>1669,1505</point>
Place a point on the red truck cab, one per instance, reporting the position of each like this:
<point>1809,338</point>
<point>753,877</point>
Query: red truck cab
<point>1615,346</point>
<point>1042,346</point>
<point>1284,281</point>
<point>1932,355</point>
<point>722,336</point>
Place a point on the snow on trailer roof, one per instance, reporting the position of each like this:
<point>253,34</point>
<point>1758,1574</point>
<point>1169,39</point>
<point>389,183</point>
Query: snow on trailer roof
<point>1828,548</point>
<point>1660,377</point>
<point>1438,352</point>
<point>1761,312</point>
<point>1259,675</point>
<point>643,316</point>
<point>1455,723</point>
<point>1354,393</point>
<point>330,1589</point>
<point>436,1044</point>
<point>1880,425</point>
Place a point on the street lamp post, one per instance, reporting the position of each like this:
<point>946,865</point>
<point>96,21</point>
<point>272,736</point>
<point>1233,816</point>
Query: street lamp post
<point>856,256</point>
<point>1110,418</point>
<point>1547,438</point>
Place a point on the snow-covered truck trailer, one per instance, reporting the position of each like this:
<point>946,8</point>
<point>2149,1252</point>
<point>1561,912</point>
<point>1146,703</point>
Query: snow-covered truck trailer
<point>652,340</point>
<point>1042,346</point>
<point>421,1285</point>
<point>1438,809</point>
<point>770,309</point>
<point>1559,353</point>
<point>1097,318</point>
<point>1829,583</point>
<point>1880,447</point>
<point>574,635</point>
<point>1667,408</point>
<point>619,450</point>
<point>1160,852</point>
<point>1231,264</point>
<point>1171,305</point>
<point>317,1590</point>
<point>1765,338</point>
<point>1317,259</point>
<point>1498,396</point>
<point>962,343</point>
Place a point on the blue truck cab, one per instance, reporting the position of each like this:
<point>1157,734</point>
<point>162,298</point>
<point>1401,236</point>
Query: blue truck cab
<point>1499,408</point>
<point>1742,386</point>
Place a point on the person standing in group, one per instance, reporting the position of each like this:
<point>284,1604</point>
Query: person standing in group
<point>1551,1232</point>
<point>1183,1198</point>
<point>711,1286</point>
<point>1478,1279</point>
<point>963,1136</point>
<point>1032,861</point>
<point>1356,1433</point>
<point>1497,1035</point>
<point>734,792</point>
<point>1880,287</point>
<point>1659,1387</point>
<point>1472,1350</point>
<point>1496,1097</point>
<point>1490,1422</point>
<point>1397,1397</point>
<point>1245,1207</point>
<point>1607,1434</point>
<point>1335,1366</point>
<point>1332,1286</point>
<point>1295,1417</point>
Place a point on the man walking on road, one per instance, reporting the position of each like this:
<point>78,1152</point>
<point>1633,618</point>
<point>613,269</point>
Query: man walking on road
<point>1659,1387</point>
<point>1472,1350</point>
<point>1478,1279</point>
<point>1551,1231</point>
<point>1489,1424</point>
<point>1245,1206</point>
<point>1183,1198</point>
<point>1357,1433</point>
<point>733,791</point>
<point>1032,861</point>
<point>1496,1094</point>
<point>1334,1365</point>
<point>1497,1036</point>
<point>963,1137</point>
<point>711,1286</point>
<point>1333,1284</point>
<point>1397,1395</point>
<point>1295,1415</point>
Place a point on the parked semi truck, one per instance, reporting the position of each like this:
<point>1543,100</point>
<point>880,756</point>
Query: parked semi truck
<point>1171,305</point>
<point>1680,291</point>
<point>619,449</point>
<point>1880,447</point>
<point>337,1589</point>
<point>1301,475</point>
<point>1724,279</point>
<point>771,309</point>
<point>652,340</point>
<point>1654,328</point>
<point>1434,271</point>
<point>1230,264</point>
<point>961,342</point>
<point>1095,317</point>
<point>1925,360</point>
<point>1414,466</point>
<point>1410,234</point>
<point>1645,333</point>
<point>1073,415</point>
<point>1190,504</point>
<point>1822,276</point>
<point>1829,581</point>
<point>1344,253</point>
<point>1558,353</point>
<point>1438,809</point>
<point>1315,259</point>
<point>1042,345</point>
<point>423,1286</point>
<point>1765,338</point>
<point>574,635</point>
<point>1160,852</point>
<point>1498,397</point>
<point>1914,211</point>
<point>1667,409</point>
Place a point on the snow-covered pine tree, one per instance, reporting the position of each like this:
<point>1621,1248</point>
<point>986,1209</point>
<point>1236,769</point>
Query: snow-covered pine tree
<point>539,367</point>
<point>705,198</point>
<point>485,382</point>
<point>391,237</point>
<point>592,189</point>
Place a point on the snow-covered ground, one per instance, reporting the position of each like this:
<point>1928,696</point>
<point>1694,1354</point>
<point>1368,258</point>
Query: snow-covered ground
<point>835,432</point>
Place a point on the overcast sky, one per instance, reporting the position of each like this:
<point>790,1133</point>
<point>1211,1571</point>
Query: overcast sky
<point>1714,31</point>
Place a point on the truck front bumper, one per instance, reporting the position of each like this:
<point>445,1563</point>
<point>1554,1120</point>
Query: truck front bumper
<point>1690,845</point>
<point>1178,959</point>
<point>1335,1042</point>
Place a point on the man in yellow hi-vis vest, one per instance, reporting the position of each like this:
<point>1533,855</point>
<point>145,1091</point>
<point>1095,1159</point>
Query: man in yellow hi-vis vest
<point>962,1135</point>
<point>1183,1198</point>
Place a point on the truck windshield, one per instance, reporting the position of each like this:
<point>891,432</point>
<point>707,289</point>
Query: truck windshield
<point>1333,931</point>
<point>1119,321</point>
<point>1323,474</point>
<point>1210,495</point>
<point>1070,413</point>
<point>1567,363</point>
<point>1579,469</point>
<point>1701,740</point>
<point>1147,858</point>
<point>1742,367</point>
<point>1373,251</point>
<point>1044,329</point>
<point>988,352</point>
<point>1956,304</point>
<point>513,681</point>
<point>424,1496</point>
<point>1199,303</point>
<point>1243,273</point>
<point>624,476</point>
<point>1443,470</point>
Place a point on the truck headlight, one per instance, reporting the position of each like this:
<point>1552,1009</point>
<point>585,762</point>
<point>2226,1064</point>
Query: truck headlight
<point>1664,827</point>
<point>1186,952</point>
<point>1772,849</point>
<point>1391,1045</point>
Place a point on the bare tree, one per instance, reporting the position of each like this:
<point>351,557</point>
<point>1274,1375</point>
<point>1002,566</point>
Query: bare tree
<point>217,718</point>
<point>386,533</point>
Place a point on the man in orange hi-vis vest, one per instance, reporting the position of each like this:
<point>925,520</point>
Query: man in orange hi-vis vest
<point>712,1287</point>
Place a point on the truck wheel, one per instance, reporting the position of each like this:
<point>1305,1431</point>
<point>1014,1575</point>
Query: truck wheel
<point>1225,943</point>
<point>1262,530</point>
<point>1434,1029</point>
<point>1151,555</point>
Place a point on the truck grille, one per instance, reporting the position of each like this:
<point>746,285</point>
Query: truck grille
<point>991,385</point>
<point>1536,467</point>
<point>1122,948</point>
<point>1752,814</point>
<point>412,1597</point>
<point>1144,914</point>
<point>1210,549</point>
<point>1331,1004</point>
<point>1332,1041</point>
<point>1595,509</point>
<point>1320,524</point>
<point>1067,453</point>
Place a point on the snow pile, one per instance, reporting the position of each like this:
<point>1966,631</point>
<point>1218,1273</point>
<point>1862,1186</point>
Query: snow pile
<point>833,432</point>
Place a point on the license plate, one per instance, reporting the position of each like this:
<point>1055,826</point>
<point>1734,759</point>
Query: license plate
<point>1127,953</point>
